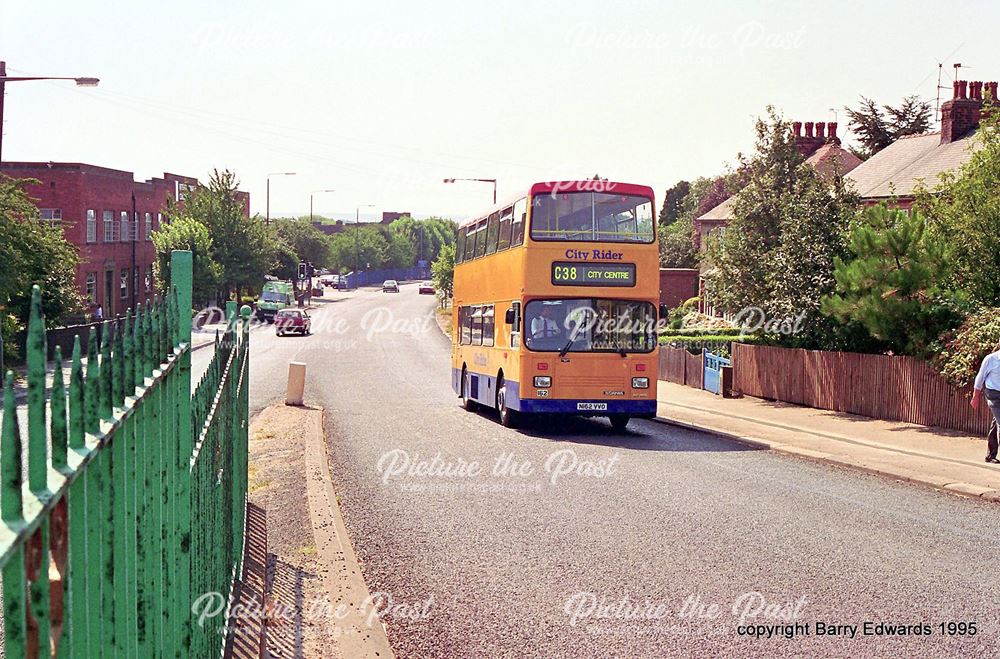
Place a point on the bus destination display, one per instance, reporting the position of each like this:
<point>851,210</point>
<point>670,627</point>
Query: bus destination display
<point>593,274</point>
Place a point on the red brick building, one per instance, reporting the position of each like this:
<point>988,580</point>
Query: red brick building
<point>109,217</point>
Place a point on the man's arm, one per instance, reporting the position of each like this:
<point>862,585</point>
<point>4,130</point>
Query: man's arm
<point>984,369</point>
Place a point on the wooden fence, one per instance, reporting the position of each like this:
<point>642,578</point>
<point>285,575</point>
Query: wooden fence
<point>877,386</point>
<point>134,500</point>
<point>680,366</point>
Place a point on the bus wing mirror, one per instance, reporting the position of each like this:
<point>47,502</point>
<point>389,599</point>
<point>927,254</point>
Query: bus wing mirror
<point>509,317</point>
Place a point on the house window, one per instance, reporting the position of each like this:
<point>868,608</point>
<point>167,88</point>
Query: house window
<point>51,216</point>
<point>110,228</point>
<point>159,221</point>
<point>135,227</point>
<point>149,226</point>
<point>123,283</point>
<point>92,286</point>
<point>135,279</point>
<point>149,278</point>
<point>124,228</point>
<point>91,226</point>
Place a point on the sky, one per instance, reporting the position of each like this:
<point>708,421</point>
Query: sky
<point>380,101</point>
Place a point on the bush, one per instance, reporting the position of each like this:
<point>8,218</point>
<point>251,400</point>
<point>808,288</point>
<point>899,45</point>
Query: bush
<point>963,349</point>
<point>697,320</point>
<point>9,329</point>
<point>714,343</point>
<point>702,331</point>
<point>675,317</point>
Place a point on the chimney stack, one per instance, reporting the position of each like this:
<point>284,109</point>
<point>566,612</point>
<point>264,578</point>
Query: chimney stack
<point>960,115</point>
<point>816,135</point>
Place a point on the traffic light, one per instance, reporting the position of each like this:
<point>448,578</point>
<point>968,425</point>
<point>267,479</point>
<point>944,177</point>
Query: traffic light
<point>302,270</point>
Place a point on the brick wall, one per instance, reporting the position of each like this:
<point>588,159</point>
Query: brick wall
<point>677,285</point>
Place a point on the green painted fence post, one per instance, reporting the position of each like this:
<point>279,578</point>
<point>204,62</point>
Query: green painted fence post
<point>38,475</point>
<point>181,283</point>
<point>15,596</point>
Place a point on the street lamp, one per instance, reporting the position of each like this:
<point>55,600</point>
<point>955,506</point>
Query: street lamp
<point>357,235</point>
<point>268,209</point>
<point>480,180</point>
<point>311,202</point>
<point>4,79</point>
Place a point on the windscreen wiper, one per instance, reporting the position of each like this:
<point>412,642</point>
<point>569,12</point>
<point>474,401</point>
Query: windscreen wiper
<point>569,344</point>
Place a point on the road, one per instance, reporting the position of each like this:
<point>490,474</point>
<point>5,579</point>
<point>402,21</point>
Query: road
<point>646,549</point>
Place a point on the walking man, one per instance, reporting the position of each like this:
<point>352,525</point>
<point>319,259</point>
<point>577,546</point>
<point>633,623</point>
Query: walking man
<point>988,385</point>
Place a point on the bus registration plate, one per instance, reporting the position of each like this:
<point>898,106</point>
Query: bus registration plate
<point>591,407</point>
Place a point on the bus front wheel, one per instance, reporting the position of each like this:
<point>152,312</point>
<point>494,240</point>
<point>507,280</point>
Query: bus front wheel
<point>508,417</point>
<point>619,422</point>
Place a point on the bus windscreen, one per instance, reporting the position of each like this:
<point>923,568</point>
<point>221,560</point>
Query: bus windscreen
<point>592,217</point>
<point>590,325</point>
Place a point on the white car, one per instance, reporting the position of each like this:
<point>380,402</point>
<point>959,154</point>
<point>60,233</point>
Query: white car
<point>390,286</point>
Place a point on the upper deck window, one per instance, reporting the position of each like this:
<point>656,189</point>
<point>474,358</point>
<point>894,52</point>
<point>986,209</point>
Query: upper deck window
<point>592,217</point>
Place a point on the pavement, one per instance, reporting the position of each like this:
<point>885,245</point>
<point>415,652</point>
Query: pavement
<point>935,457</point>
<point>565,538</point>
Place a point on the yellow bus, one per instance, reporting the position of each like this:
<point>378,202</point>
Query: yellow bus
<point>555,300</point>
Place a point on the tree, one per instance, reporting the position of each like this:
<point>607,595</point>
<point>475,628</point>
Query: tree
<point>788,226</point>
<point>358,248</point>
<point>443,272</point>
<point>878,127</point>
<point>895,282</point>
<point>308,243</point>
<point>241,245</point>
<point>427,237</point>
<point>677,247</point>
<point>964,209</point>
<point>190,234</point>
<point>673,203</point>
<point>33,252</point>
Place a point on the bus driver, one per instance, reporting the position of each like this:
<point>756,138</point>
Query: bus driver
<point>542,325</point>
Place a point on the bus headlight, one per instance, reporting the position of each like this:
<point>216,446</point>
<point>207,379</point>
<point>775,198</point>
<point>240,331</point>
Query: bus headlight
<point>640,383</point>
<point>543,381</point>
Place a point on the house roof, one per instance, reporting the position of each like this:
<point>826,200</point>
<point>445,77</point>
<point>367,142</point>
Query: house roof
<point>723,211</point>
<point>896,170</point>
<point>828,160</point>
<point>833,160</point>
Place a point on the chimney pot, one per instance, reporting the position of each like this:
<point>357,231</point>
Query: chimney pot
<point>992,86</point>
<point>977,90</point>
<point>954,89</point>
<point>832,130</point>
<point>809,129</point>
<point>821,130</point>
<point>797,128</point>
<point>963,86</point>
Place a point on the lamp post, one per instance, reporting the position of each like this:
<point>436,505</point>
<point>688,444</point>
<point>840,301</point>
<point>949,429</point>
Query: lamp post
<point>357,235</point>
<point>479,180</point>
<point>268,203</point>
<point>311,202</point>
<point>4,79</point>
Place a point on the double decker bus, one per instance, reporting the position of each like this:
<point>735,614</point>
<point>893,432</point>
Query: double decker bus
<point>555,301</point>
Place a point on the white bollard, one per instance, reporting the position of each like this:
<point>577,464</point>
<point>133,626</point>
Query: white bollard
<point>296,383</point>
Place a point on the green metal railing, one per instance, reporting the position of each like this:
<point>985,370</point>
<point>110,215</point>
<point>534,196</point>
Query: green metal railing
<point>135,496</point>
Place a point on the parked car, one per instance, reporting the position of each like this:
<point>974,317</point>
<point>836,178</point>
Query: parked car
<point>426,288</point>
<point>390,286</point>
<point>288,321</point>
